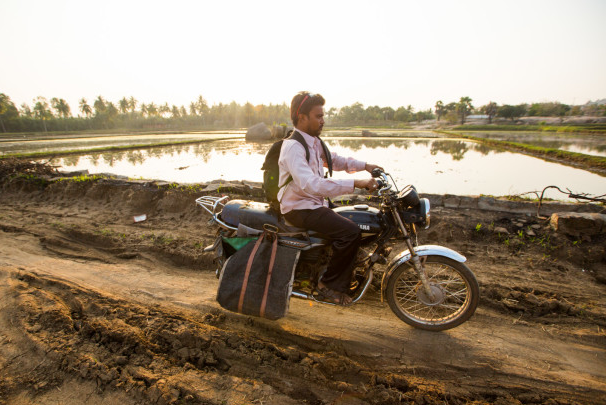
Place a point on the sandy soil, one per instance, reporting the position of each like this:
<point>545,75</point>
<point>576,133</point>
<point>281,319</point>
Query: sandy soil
<point>95,308</point>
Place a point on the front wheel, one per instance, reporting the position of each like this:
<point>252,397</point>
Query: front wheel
<point>455,289</point>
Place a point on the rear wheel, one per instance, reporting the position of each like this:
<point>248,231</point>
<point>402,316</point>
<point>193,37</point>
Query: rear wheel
<point>455,294</point>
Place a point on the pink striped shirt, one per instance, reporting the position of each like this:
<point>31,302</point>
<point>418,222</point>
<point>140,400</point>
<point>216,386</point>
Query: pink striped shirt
<point>308,187</point>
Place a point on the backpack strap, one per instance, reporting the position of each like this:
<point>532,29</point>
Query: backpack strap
<point>328,157</point>
<point>297,137</point>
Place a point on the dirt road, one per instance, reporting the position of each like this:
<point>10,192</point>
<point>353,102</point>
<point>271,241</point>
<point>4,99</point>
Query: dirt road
<point>95,308</point>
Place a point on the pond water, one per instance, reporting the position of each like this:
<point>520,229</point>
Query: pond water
<point>581,143</point>
<point>441,166</point>
<point>11,144</point>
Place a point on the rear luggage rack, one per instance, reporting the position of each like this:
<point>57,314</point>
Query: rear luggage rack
<point>210,204</point>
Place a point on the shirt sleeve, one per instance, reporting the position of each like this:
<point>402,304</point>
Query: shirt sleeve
<point>350,165</point>
<point>293,160</point>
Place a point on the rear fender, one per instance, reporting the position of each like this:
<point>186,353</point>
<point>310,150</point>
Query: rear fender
<point>424,250</point>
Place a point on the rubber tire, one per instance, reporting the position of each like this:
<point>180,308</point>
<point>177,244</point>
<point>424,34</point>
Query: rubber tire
<point>461,269</point>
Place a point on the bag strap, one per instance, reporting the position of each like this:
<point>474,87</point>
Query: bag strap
<point>247,272</point>
<point>328,157</point>
<point>272,261</point>
<point>297,137</point>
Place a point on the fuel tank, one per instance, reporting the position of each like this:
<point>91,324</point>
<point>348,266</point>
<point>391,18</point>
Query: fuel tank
<point>369,219</point>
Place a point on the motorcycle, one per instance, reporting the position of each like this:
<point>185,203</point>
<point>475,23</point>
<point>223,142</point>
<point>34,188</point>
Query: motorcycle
<point>429,286</point>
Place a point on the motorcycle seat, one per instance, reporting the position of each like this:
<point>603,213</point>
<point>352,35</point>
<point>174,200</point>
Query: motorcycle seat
<point>292,228</point>
<point>254,215</point>
<point>250,213</point>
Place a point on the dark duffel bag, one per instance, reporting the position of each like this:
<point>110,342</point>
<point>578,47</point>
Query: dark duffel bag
<point>257,279</point>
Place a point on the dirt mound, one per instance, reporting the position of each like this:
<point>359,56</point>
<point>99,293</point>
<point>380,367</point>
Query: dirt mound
<point>12,167</point>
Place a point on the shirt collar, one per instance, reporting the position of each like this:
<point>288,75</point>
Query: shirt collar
<point>311,140</point>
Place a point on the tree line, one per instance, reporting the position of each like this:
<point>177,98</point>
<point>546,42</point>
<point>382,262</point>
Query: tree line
<point>459,111</point>
<point>130,114</point>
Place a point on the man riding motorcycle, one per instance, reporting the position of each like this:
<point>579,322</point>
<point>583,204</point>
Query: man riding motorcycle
<point>302,200</point>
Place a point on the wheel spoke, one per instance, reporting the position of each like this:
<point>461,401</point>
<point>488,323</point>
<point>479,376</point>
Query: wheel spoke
<point>454,292</point>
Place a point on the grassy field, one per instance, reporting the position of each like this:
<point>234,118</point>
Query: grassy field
<point>588,162</point>
<point>581,128</point>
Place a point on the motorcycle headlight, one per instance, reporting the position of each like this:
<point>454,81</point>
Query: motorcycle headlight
<point>424,207</point>
<point>417,215</point>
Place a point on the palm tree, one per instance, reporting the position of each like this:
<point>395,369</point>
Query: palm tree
<point>99,105</point>
<point>152,110</point>
<point>491,110</point>
<point>112,111</point>
<point>440,110</point>
<point>164,109</point>
<point>61,106</point>
<point>42,111</point>
<point>55,104</point>
<point>26,111</point>
<point>66,111</point>
<point>123,106</point>
<point>331,113</point>
<point>85,108</point>
<point>464,107</point>
<point>5,102</point>
<point>132,103</point>
<point>192,108</point>
<point>202,106</point>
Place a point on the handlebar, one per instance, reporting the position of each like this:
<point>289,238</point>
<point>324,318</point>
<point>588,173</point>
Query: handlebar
<point>382,182</point>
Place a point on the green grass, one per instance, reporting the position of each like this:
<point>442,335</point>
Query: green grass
<point>590,161</point>
<point>395,125</point>
<point>83,178</point>
<point>582,128</point>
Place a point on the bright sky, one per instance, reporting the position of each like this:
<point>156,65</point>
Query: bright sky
<point>386,53</point>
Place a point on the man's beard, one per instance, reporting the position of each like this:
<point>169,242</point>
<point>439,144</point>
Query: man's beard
<point>316,132</point>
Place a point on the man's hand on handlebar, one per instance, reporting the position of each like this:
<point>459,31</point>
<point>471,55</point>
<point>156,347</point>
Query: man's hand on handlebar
<point>370,167</point>
<point>369,184</point>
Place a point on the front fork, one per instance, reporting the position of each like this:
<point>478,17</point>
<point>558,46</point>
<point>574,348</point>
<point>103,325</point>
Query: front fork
<point>414,257</point>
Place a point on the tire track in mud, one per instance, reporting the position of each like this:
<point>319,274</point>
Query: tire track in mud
<point>162,355</point>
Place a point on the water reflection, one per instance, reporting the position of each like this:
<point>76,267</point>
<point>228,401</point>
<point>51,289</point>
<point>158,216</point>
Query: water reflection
<point>433,165</point>
<point>78,142</point>
<point>456,149</point>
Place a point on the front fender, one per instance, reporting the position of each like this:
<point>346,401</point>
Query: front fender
<point>423,250</point>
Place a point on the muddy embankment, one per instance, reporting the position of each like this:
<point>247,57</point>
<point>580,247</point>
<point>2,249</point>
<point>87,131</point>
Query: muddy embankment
<point>97,308</point>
